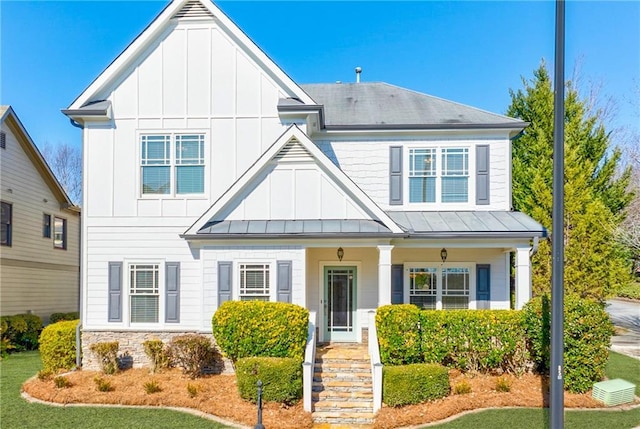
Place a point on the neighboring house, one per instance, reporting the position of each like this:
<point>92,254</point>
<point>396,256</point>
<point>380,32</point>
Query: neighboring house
<point>40,230</point>
<point>211,176</point>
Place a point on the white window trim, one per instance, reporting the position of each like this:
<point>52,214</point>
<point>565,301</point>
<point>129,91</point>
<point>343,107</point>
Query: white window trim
<point>471,191</point>
<point>172,165</point>
<point>273,292</point>
<point>126,307</point>
<point>471,266</point>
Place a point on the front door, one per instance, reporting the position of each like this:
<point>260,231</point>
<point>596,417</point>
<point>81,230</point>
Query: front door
<point>340,304</point>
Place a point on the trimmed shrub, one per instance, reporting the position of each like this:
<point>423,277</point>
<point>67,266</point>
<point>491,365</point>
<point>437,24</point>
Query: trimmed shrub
<point>191,352</point>
<point>61,382</point>
<point>503,384</point>
<point>107,354</point>
<point>462,388</point>
<point>20,332</point>
<point>413,384</point>
<point>158,354</point>
<point>103,385</point>
<point>399,334</point>
<point>60,317</point>
<point>281,378</point>
<point>58,346</point>
<point>587,337</point>
<point>475,340</point>
<point>258,328</point>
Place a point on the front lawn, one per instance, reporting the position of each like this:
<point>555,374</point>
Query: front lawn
<point>631,291</point>
<point>15,412</point>
<point>621,366</point>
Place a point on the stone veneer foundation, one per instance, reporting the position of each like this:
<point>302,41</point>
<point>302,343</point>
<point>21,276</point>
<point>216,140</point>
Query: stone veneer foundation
<point>132,349</point>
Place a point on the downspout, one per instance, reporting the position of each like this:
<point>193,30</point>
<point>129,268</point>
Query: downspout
<point>79,327</point>
<point>534,249</point>
<point>76,124</point>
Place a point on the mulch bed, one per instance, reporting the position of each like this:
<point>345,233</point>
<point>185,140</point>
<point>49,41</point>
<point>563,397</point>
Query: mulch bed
<point>218,395</point>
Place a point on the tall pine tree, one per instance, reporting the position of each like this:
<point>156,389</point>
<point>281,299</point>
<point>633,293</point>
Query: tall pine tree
<point>595,194</point>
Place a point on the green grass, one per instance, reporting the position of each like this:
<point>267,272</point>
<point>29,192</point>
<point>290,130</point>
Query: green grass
<point>632,290</point>
<point>15,412</point>
<point>619,366</point>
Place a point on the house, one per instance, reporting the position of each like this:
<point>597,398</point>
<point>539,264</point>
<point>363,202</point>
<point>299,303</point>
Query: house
<point>40,229</point>
<point>210,175</point>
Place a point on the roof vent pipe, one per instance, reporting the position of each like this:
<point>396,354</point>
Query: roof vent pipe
<point>358,71</point>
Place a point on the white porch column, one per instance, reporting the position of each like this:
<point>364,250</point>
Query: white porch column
<point>384,274</point>
<point>523,276</point>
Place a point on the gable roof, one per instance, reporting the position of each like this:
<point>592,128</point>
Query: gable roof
<point>175,10</point>
<point>302,147</point>
<point>381,105</point>
<point>9,117</point>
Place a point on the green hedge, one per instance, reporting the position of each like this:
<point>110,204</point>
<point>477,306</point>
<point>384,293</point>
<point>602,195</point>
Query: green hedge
<point>257,328</point>
<point>399,334</point>
<point>21,331</point>
<point>587,337</point>
<point>471,340</point>
<point>281,378</point>
<point>58,346</point>
<point>59,317</point>
<point>475,340</point>
<point>413,384</point>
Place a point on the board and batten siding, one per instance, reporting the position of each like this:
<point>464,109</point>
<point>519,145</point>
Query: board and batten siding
<point>33,275</point>
<point>366,162</point>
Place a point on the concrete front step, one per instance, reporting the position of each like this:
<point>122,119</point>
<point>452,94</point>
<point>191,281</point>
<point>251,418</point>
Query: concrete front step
<point>342,417</point>
<point>352,377</point>
<point>345,395</point>
<point>342,366</point>
<point>328,404</point>
<point>356,385</point>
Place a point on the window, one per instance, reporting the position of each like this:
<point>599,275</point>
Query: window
<point>46,225</point>
<point>445,182</point>
<point>144,293</point>
<point>172,164</point>
<point>5,223</point>
<point>423,287</point>
<point>254,282</point>
<point>439,288</point>
<point>455,288</point>
<point>59,233</point>
<point>455,175</point>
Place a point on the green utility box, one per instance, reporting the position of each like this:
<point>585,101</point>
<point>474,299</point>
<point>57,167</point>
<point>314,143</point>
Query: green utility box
<point>614,392</point>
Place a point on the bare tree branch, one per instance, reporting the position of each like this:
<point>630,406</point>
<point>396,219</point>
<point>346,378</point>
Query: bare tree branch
<point>66,163</point>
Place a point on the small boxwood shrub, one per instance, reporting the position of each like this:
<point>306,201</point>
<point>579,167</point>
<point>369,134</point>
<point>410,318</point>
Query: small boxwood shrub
<point>158,353</point>
<point>281,378</point>
<point>413,384</point>
<point>191,352</point>
<point>20,332</point>
<point>587,337</point>
<point>58,346</point>
<point>59,317</point>
<point>257,328</point>
<point>107,354</point>
<point>399,334</point>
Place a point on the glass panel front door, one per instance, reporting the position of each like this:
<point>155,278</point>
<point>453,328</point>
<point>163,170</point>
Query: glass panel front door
<point>340,303</point>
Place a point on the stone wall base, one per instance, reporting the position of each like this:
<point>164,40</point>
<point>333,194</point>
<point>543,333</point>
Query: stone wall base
<point>365,336</point>
<point>131,352</point>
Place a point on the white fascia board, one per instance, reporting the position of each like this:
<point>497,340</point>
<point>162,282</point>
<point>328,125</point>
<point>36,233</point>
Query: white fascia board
<point>323,161</point>
<point>155,29</point>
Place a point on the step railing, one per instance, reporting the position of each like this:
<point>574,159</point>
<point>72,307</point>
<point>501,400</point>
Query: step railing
<point>307,365</point>
<point>376,364</point>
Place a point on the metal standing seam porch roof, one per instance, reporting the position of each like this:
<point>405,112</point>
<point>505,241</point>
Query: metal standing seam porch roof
<point>445,224</point>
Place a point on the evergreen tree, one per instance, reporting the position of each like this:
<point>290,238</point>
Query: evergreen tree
<point>595,195</point>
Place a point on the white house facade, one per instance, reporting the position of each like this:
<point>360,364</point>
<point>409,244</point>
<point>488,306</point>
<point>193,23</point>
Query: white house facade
<point>211,176</point>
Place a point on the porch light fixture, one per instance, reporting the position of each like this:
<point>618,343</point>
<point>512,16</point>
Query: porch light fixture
<point>340,253</point>
<point>443,255</point>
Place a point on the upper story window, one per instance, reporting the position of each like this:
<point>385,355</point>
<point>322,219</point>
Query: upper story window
<point>431,181</point>
<point>46,225</point>
<point>59,233</point>
<point>172,164</point>
<point>254,282</point>
<point>6,215</point>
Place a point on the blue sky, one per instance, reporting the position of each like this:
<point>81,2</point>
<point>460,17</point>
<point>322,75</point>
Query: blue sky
<point>469,52</point>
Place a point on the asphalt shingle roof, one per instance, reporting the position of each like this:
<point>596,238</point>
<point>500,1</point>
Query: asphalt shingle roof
<point>353,105</point>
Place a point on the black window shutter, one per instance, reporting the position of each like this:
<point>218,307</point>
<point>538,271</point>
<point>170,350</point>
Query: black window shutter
<point>172,292</point>
<point>482,175</point>
<point>115,292</point>
<point>483,282</point>
<point>395,175</point>
<point>224,281</point>
<point>284,271</point>
<point>397,284</point>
